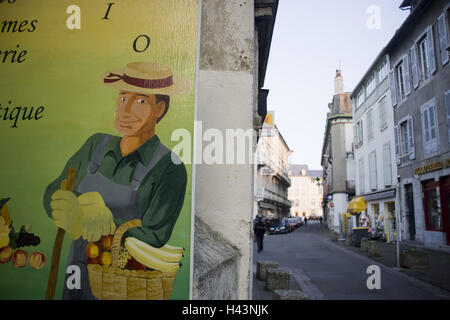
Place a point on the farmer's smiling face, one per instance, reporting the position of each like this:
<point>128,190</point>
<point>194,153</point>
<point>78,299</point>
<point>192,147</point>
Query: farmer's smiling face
<point>137,113</point>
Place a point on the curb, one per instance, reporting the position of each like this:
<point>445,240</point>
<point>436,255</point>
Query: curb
<point>436,291</point>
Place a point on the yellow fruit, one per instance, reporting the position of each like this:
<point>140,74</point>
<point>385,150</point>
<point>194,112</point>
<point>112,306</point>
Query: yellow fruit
<point>106,259</point>
<point>169,248</point>
<point>4,239</point>
<point>37,260</point>
<point>92,250</point>
<point>158,253</point>
<point>149,261</point>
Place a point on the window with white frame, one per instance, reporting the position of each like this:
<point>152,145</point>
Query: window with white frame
<point>361,175</point>
<point>402,78</point>
<point>371,85</point>
<point>430,132</point>
<point>369,119</point>
<point>382,109</point>
<point>423,59</point>
<point>404,140</point>
<point>425,54</point>
<point>383,71</point>
<point>387,165</point>
<point>360,98</point>
<point>373,170</point>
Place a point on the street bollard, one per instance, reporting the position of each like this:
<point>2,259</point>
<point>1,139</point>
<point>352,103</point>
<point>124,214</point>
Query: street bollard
<point>373,249</point>
<point>364,242</point>
<point>277,279</point>
<point>333,236</point>
<point>261,269</point>
<point>348,240</point>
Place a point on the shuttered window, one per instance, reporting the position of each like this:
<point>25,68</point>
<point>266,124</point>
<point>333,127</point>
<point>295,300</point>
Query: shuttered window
<point>443,38</point>
<point>361,175</point>
<point>430,47</point>
<point>402,78</point>
<point>382,108</point>
<point>430,132</point>
<point>414,67</point>
<point>358,134</point>
<point>393,87</point>
<point>447,108</point>
<point>369,125</point>
<point>404,140</point>
<point>373,170</point>
<point>387,166</point>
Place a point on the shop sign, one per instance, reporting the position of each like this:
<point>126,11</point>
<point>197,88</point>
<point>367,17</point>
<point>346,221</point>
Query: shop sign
<point>432,167</point>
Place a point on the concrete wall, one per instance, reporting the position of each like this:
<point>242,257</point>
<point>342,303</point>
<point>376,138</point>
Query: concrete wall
<point>224,193</point>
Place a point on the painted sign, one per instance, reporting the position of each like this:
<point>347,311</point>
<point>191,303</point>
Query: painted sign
<point>93,203</point>
<point>438,165</point>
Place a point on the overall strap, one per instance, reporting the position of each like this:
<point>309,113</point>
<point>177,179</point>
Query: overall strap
<point>141,171</point>
<point>97,157</point>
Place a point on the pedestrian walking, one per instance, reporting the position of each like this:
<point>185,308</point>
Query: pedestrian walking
<point>306,221</point>
<point>259,228</point>
<point>320,219</point>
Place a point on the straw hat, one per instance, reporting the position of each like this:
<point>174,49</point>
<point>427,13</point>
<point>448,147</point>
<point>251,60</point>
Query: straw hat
<point>147,77</point>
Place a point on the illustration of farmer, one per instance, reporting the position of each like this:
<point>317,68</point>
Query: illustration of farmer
<point>122,178</point>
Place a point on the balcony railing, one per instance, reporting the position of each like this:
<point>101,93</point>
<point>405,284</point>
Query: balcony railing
<point>264,160</point>
<point>263,194</point>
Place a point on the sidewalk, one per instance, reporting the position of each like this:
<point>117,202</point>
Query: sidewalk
<point>437,273</point>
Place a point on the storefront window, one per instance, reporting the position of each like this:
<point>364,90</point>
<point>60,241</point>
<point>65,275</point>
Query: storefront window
<point>432,206</point>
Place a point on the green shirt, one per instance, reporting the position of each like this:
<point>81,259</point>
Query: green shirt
<point>161,193</point>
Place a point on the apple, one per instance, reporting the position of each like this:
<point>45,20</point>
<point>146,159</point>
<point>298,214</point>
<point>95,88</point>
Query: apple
<point>37,260</point>
<point>20,258</point>
<point>106,242</point>
<point>5,254</point>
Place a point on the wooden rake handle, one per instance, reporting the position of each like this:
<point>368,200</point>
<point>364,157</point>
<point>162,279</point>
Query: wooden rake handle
<point>56,254</point>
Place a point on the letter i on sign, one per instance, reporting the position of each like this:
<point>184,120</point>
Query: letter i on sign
<point>107,11</point>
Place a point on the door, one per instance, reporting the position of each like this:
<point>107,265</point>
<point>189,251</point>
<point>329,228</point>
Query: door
<point>444,185</point>
<point>410,213</point>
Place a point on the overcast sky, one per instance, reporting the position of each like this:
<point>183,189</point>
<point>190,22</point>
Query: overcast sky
<point>311,40</point>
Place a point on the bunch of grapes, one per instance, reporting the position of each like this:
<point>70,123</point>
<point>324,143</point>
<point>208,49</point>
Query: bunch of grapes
<point>27,239</point>
<point>124,256</point>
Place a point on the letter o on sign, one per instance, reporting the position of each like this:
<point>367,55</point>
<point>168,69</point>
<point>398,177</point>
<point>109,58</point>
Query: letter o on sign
<point>146,39</point>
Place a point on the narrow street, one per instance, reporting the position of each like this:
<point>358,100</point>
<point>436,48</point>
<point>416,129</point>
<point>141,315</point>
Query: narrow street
<point>326,271</point>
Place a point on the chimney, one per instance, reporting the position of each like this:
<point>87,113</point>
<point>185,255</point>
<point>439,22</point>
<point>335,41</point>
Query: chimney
<point>338,83</point>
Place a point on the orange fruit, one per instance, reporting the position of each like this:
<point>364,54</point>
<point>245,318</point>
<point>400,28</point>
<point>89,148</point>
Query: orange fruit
<point>92,250</point>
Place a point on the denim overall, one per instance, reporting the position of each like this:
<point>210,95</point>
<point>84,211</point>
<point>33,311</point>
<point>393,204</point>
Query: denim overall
<point>122,200</point>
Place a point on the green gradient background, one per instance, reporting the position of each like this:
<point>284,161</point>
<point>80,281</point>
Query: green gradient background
<point>63,72</point>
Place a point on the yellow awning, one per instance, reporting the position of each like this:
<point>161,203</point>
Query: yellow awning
<point>357,205</point>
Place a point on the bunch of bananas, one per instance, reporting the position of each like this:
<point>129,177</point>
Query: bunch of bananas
<point>4,232</point>
<point>164,259</point>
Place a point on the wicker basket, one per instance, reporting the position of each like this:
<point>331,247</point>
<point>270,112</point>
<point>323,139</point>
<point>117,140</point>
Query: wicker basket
<point>114,283</point>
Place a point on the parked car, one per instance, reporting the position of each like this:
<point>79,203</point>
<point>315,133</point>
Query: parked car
<point>299,221</point>
<point>278,226</point>
<point>293,223</point>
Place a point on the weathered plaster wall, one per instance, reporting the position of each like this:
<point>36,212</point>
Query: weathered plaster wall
<point>224,193</point>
